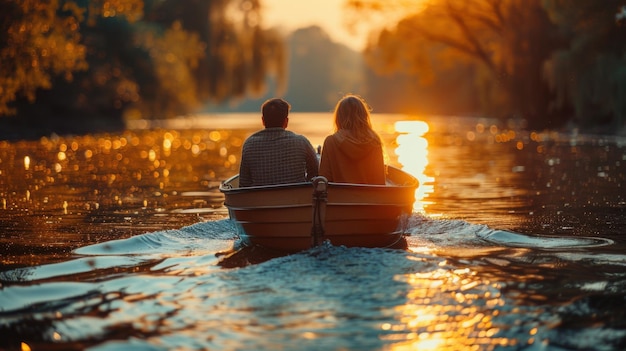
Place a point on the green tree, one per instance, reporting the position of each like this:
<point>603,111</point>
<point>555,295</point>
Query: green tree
<point>590,73</point>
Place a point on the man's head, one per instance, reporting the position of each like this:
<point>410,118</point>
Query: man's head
<point>275,112</point>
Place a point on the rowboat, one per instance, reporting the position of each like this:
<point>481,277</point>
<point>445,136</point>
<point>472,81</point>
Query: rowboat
<point>297,216</point>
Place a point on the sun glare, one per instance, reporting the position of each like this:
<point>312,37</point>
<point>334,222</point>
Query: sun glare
<point>412,154</point>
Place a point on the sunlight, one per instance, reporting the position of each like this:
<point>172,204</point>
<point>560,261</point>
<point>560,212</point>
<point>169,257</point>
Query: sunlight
<point>441,313</point>
<point>412,154</point>
<point>342,21</point>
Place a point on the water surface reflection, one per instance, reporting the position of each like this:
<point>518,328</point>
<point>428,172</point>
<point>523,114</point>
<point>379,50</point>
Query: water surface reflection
<point>450,309</point>
<point>114,241</point>
<point>412,152</point>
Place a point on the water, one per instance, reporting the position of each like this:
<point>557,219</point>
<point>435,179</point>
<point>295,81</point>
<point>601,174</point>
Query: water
<point>110,241</point>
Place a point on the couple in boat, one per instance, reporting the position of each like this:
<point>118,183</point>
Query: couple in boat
<point>353,154</point>
<point>355,199</point>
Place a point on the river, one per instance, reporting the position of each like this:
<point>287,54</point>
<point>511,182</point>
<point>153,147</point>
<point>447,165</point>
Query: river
<point>517,242</point>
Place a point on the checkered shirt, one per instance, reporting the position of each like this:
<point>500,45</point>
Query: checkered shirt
<point>277,156</point>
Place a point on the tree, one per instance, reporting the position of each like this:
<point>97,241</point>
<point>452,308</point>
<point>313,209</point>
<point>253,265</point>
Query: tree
<point>238,53</point>
<point>38,39</point>
<point>507,42</point>
<point>590,73</point>
<point>320,71</point>
<point>138,58</point>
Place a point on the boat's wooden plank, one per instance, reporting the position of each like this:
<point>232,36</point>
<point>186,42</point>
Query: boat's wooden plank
<point>364,227</point>
<point>378,195</point>
<point>274,215</point>
<point>277,229</point>
<point>363,212</point>
<point>270,197</point>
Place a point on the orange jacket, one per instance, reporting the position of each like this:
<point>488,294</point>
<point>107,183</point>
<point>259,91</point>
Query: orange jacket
<point>345,160</point>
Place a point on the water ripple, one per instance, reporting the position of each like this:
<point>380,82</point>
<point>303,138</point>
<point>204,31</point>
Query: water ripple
<point>511,239</point>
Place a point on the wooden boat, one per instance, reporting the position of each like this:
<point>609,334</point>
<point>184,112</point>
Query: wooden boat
<point>298,216</point>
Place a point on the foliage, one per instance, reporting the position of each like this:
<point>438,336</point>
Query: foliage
<point>590,73</point>
<point>140,58</point>
<point>36,43</point>
<point>509,44</point>
<point>320,72</point>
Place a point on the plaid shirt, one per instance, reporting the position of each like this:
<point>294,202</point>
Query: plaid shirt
<point>277,156</point>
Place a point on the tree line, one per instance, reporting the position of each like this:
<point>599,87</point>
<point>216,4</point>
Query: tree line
<point>547,61</point>
<point>71,64</point>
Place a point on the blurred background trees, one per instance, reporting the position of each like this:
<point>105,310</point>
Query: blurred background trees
<point>546,61</point>
<point>73,64</point>
<point>80,66</point>
<point>589,73</point>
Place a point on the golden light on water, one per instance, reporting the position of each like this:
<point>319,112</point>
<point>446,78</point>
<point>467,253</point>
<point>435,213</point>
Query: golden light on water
<point>412,154</point>
<point>441,313</point>
<point>137,167</point>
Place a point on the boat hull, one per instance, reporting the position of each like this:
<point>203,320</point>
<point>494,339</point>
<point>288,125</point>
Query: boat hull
<point>291,217</point>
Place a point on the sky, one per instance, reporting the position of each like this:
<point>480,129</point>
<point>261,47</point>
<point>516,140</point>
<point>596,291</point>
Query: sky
<point>328,14</point>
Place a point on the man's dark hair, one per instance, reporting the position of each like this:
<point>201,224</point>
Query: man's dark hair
<point>274,112</point>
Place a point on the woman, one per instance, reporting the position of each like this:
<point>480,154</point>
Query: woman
<point>354,153</point>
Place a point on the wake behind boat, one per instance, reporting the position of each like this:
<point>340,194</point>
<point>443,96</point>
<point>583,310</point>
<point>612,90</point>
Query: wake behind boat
<point>297,216</point>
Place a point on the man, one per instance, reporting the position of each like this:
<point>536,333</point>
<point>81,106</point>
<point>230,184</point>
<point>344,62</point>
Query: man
<point>275,155</point>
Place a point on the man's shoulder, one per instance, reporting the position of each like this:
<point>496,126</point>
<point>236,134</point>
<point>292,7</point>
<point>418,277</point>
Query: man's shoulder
<point>258,135</point>
<point>304,140</point>
<point>295,135</point>
<point>275,134</point>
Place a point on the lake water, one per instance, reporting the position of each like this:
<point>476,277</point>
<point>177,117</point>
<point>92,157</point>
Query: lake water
<point>117,241</point>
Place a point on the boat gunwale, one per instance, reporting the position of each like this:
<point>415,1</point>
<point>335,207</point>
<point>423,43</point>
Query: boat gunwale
<point>271,207</point>
<point>329,203</point>
<point>225,187</point>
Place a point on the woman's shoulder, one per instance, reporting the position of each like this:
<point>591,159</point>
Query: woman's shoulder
<point>332,139</point>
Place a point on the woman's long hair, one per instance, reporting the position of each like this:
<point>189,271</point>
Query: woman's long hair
<point>352,115</point>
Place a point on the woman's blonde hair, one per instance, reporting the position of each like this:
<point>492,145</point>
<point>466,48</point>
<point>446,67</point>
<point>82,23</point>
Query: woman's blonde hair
<point>352,114</point>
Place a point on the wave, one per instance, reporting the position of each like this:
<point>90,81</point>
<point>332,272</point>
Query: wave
<point>193,239</point>
<point>215,244</point>
<point>173,286</point>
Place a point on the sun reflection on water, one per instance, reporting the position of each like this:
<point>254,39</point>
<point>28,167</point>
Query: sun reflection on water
<point>442,314</point>
<point>412,154</point>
